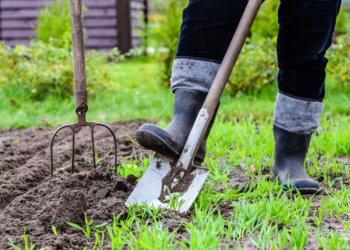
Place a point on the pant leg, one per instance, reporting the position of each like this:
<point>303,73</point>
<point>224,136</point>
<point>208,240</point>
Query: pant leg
<point>206,32</point>
<point>305,34</point>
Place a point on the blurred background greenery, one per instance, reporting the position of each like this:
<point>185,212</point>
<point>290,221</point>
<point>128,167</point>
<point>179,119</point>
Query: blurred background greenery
<point>36,81</point>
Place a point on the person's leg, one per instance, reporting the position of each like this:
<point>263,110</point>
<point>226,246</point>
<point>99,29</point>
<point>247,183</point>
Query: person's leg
<point>206,31</point>
<point>305,34</point>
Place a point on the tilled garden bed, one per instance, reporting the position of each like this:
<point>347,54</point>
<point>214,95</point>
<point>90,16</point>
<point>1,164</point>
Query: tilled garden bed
<point>31,199</point>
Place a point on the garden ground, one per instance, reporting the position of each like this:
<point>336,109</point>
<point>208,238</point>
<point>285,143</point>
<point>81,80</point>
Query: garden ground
<point>239,207</point>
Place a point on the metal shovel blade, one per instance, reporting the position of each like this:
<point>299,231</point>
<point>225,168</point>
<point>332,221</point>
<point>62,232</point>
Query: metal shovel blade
<point>162,181</point>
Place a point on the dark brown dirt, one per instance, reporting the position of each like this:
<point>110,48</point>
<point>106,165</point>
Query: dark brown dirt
<point>30,199</point>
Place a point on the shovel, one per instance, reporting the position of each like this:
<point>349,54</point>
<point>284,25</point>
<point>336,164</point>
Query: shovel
<point>175,184</point>
<point>80,91</point>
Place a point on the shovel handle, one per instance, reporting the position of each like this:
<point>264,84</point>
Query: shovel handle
<point>211,102</point>
<point>80,92</point>
<point>231,56</point>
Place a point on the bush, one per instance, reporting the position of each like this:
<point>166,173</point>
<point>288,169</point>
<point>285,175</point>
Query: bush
<point>45,67</point>
<point>42,70</point>
<point>266,22</point>
<point>256,67</point>
<point>343,25</point>
<point>54,22</point>
<point>339,60</point>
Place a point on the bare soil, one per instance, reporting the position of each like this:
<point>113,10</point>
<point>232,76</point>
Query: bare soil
<point>31,199</point>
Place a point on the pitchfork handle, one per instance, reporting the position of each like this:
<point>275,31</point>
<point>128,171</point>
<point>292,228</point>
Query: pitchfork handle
<point>80,91</point>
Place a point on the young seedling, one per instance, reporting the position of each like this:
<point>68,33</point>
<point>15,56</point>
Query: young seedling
<point>97,161</point>
<point>135,167</point>
<point>264,238</point>
<point>154,238</point>
<point>332,241</point>
<point>120,233</point>
<point>174,202</point>
<point>54,230</point>
<point>88,227</point>
<point>99,242</point>
<point>27,245</point>
<point>298,235</point>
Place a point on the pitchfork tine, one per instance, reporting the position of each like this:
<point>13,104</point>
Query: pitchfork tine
<point>93,146</point>
<point>51,146</point>
<point>73,148</point>
<point>80,91</point>
<point>115,145</point>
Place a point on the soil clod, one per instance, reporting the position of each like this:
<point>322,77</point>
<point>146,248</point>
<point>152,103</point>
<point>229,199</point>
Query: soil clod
<point>31,199</point>
<point>71,208</point>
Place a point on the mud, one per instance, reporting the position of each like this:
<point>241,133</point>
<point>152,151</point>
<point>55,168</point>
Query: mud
<point>30,199</point>
<point>178,180</point>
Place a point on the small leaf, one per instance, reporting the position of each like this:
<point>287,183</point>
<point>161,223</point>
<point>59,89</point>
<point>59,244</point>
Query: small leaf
<point>74,225</point>
<point>101,225</point>
<point>252,169</point>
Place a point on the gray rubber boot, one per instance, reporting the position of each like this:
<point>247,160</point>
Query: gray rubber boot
<point>288,166</point>
<point>171,140</point>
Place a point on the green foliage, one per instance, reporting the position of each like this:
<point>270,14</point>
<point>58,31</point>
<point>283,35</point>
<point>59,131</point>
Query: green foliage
<point>343,26</point>
<point>167,32</point>
<point>135,167</point>
<point>42,70</point>
<point>266,22</point>
<point>54,22</point>
<point>256,67</point>
<point>339,60</point>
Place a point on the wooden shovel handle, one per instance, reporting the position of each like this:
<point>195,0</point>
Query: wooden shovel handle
<point>219,83</point>
<point>231,56</point>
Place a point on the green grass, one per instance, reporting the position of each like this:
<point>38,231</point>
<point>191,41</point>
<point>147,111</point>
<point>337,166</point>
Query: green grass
<point>262,214</point>
<point>136,94</point>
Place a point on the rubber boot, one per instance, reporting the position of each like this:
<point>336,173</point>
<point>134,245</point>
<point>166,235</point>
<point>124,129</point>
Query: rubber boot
<point>288,166</point>
<point>171,140</point>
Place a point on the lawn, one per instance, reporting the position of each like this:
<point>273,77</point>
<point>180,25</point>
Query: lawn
<point>238,207</point>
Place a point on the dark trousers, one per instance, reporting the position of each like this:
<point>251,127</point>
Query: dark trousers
<point>305,33</point>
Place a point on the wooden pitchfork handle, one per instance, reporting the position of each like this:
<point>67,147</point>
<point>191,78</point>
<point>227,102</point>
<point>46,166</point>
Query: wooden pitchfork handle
<point>80,91</point>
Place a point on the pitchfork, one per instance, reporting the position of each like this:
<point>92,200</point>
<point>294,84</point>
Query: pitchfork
<point>80,91</point>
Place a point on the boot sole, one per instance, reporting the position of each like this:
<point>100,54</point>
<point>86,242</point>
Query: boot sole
<point>153,142</point>
<point>301,190</point>
<point>294,189</point>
